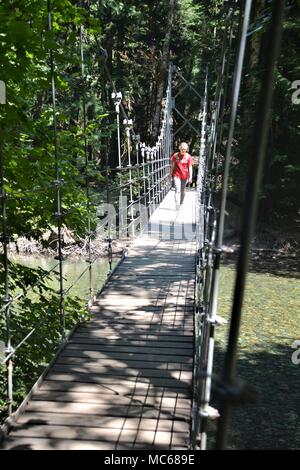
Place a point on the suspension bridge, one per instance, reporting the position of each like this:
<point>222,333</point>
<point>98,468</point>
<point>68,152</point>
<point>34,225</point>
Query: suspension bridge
<point>138,374</point>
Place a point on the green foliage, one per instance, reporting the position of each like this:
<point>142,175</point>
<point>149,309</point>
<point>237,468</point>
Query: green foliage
<point>28,152</point>
<point>37,311</point>
<point>26,122</point>
<point>279,195</point>
<point>133,34</point>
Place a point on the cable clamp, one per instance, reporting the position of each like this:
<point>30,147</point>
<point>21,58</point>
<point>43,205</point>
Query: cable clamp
<point>217,321</point>
<point>207,244</point>
<point>220,321</point>
<point>9,350</point>
<point>209,412</point>
<point>217,250</point>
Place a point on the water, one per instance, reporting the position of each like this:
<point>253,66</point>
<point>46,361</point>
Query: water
<point>72,269</point>
<point>31,315</point>
<point>270,325</point>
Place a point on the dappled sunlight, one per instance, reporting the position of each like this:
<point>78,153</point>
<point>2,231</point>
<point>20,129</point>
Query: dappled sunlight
<point>124,379</point>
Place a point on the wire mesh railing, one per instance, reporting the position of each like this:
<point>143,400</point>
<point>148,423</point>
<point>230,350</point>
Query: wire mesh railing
<point>211,221</point>
<point>139,183</point>
<point>132,190</point>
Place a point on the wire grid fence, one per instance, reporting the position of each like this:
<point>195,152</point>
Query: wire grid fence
<point>132,191</point>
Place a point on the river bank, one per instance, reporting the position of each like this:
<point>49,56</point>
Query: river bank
<point>71,246</point>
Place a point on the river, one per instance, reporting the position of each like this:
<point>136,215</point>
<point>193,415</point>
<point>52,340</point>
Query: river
<point>72,269</point>
<point>270,325</point>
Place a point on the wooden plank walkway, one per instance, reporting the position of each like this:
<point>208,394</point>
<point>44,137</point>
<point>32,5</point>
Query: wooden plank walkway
<point>124,379</point>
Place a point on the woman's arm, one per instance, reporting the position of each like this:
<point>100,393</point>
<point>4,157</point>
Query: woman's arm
<point>191,174</point>
<point>190,170</point>
<point>172,168</point>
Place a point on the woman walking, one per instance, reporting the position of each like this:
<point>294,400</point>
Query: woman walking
<point>181,172</point>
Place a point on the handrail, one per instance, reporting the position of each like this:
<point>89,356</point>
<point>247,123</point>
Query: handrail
<point>144,176</point>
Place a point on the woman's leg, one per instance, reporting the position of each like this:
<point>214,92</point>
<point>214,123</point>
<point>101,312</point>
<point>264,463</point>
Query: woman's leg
<point>182,190</point>
<point>177,184</point>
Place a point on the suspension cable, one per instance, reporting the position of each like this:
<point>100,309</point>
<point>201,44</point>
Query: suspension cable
<point>57,182</point>
<point>7,297</point>
<point>253,184</point>
<point>217,236</point>
<point>86,159</point>
<point>154,169</point>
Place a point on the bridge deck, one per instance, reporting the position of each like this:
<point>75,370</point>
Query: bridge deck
<point>124,379</point>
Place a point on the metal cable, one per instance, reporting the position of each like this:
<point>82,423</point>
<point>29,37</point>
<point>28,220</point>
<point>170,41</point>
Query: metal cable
<point>86,157</point>
<point>6,299</point>
<point>262,124</point>
<point>57,182</point>
<point>216,238</point>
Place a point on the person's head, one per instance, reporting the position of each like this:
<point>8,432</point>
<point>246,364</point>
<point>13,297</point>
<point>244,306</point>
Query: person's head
<point>183,148</point>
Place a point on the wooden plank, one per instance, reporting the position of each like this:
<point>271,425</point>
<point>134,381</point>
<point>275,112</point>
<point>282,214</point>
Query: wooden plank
<point>147,291</point>
<point>111,422</point>
<point>102,371</point>
<point>144,317</point>
<point>100,326</point>
<point>161,293</point>
<point>79,433</point>
<point>152,275</point>
<point>29,443</point>
<point>141,356</point>
<point>106,307</point>
<point>163,296</point>
<point>149,286</point>
<point>129,349</point>
<point>136,339</point>
<point>105,399</point>
<point>106,379</point>
<point>124,363</point>
<point>117,389</point>
<point>140,332</point>
<point>133,410</point>
<point>156,273</point>
<point>88,339</point>
<point>153,264</point>
<point>141,312</point>
<point>173,325</point>
<point>112,335</point>
<point>154,283</point>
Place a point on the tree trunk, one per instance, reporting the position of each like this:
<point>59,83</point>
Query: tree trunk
<point>163,71</point>
<point>255,43</point>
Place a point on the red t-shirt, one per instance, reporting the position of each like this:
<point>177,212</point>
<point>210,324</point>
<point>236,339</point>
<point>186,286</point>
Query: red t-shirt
<point>182,165</point>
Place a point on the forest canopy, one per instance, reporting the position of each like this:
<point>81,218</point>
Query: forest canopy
<point>136,40</point>
<point>91,49</point>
